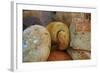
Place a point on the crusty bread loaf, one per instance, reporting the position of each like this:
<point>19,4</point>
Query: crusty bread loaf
<point>59,34</point>
<point>36,44</point>
<point>79,54</point>
<point>80,31</point>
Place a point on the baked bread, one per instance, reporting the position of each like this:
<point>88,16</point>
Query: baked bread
<point>59,34</point>
<point>80,31</point>
<point>59,56</point>
<point>36,44</point>
<point>79,54</point>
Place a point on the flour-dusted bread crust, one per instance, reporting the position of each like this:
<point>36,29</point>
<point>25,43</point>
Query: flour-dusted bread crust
<point>59,34</point>
<point>36,44</point>
<point>80,31</point>
<point>79,54</point>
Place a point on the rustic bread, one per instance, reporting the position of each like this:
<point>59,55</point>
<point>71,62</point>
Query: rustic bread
<point>36,44</point>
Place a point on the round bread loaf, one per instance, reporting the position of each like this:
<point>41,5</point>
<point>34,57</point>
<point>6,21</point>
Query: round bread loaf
<point>36,44</point>
<point>59,34</point>
<point>58,56</point>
